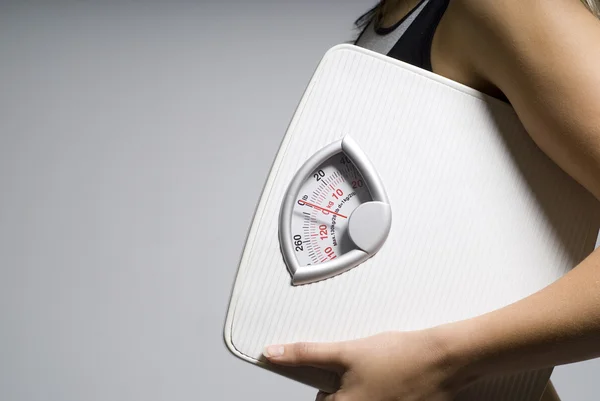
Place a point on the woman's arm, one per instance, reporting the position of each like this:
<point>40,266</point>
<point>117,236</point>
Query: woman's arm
<point>557,325</point>
<point>545,57</point>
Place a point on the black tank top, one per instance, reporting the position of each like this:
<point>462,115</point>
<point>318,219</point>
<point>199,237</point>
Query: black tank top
<point>414,43</point>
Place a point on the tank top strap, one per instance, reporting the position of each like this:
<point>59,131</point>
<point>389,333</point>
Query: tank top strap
<point>414,46</point>
<point>383,39</point>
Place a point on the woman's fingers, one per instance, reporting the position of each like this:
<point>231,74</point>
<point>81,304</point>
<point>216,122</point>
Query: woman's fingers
<point>308,354</point>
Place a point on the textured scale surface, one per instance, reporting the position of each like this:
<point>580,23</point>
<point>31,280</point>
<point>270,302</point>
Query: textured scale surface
<point>481,217</point>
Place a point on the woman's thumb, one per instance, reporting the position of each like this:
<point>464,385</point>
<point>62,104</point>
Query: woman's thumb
<point>306,354</point>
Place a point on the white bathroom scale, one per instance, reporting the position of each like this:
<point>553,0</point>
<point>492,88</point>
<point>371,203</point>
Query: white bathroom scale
<point>401,200</point>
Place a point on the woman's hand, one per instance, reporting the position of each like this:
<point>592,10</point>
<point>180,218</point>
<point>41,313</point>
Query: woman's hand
<point>556,325</point>
<point>392,366</point>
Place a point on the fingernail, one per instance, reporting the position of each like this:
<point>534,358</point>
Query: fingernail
<point>273,351</point>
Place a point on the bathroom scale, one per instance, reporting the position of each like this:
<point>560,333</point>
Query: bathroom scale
<point>401,200</point>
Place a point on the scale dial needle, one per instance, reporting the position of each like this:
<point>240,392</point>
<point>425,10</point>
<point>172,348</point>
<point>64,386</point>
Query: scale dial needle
<point>321,208</point>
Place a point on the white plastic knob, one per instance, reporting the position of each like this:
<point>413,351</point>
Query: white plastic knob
<point>369,225</point>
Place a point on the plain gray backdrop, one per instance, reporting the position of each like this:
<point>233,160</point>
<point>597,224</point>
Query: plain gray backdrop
<point>135,138</point>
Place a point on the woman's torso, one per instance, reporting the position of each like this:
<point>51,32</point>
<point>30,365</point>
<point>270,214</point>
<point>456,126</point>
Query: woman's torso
<point>420,32</point>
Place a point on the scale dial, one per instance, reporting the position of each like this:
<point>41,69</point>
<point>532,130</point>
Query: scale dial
<point>335,214</point>
<point>320,217</point>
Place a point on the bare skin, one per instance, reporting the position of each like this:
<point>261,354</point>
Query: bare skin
<point>544,56</point>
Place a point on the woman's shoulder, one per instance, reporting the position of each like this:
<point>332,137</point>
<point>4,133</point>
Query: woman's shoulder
<point>543,55</point>
<point>500,39</point>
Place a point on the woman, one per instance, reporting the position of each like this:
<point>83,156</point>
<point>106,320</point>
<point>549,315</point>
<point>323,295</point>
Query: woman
<point>543,57</point>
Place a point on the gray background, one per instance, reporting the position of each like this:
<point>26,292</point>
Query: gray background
<point>135,138</point>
